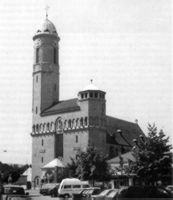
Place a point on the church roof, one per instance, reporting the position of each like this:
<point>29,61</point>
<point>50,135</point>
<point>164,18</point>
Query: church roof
<point>129,130</point>
<point>69,105</point>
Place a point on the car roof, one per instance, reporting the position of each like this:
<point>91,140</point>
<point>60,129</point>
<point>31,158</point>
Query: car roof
<point>16,186</point>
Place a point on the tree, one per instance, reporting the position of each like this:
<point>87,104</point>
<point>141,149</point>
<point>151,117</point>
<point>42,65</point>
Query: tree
<point>90,165</point>
<point>153,157</point>
<point>11,172</point>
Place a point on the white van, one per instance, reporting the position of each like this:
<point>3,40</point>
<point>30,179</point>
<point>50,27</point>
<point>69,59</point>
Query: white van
<point>69,186</point>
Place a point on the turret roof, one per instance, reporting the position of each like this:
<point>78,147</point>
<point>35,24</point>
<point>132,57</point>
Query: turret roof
<point>47,27</point>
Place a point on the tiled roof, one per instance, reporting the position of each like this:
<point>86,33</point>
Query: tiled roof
<point>129,130</point>
<point>115,138</point>
<point>69,105</point>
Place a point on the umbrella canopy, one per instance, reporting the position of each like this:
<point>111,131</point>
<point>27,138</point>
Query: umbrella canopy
<point>54,163</point>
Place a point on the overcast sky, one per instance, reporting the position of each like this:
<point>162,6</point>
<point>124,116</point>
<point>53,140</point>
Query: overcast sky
<point>123,45</point>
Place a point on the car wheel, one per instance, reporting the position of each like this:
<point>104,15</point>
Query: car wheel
<point>66,195</point>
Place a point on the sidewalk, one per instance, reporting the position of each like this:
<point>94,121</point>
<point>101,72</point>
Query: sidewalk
<point>33,192</point>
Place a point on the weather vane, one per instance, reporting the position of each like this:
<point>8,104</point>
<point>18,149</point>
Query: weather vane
<point>47,8</point>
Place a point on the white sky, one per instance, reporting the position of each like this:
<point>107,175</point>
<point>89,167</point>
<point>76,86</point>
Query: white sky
<point>124,45</point>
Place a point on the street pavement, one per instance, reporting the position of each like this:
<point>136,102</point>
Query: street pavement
<point>47,198</point>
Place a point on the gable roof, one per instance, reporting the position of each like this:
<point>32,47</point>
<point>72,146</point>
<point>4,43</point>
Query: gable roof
<point>69,105</point>
<point>126,157</point>
<point>129,130</point>
<point>28,174</point>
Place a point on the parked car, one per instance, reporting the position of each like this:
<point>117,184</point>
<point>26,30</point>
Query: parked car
<point>102,195</point>
<point>86,194</point>
<point>170,189</point>
<point>112,195</point>
<point>47,188</point>
<point>14,192</point>
<point>144,192</point>
<point>69,186</point>
<point>54,191</point>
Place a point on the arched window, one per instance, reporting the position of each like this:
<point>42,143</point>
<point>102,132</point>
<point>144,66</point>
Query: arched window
<point>69,123</point>
<point>37,55</point>
<point>48,127</point>
<point>37,128</point>
<point>65,124</point>
<point>36,110</point>
<point>55,55</point>
<point>73,124</point>
<point>86,121</point>
<point>41,128</point>
<point>44,128</point>
<point>52,127</point>
<point>81,121</point>
<point>33,128</point>
<point>91,94</point>
<point>77,123</point>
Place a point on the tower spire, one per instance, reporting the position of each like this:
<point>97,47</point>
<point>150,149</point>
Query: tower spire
<point>47,8</point>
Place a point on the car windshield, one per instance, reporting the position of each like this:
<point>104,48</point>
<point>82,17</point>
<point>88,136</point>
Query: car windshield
<point>86,186</point>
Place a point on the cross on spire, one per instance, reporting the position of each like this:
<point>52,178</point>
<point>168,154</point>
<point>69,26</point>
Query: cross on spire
<point>46,9</point>
<point>91,81</point>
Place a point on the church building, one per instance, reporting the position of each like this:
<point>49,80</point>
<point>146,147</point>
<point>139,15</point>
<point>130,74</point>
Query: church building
<point>60,128</point>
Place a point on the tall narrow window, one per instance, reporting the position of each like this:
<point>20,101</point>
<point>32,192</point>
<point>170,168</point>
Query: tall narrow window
<point>36,110</point>
<point>55,55</point>
<point>76,139</point>
<point>55,87</point>
<point>42,159</point>
<point>37,55</point>
<point>42,142</point>
<point>37,79</point>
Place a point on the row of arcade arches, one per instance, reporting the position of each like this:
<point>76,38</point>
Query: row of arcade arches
<point>61,125</point>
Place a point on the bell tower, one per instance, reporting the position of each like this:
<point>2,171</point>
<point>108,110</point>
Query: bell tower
<point>45,68</point>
